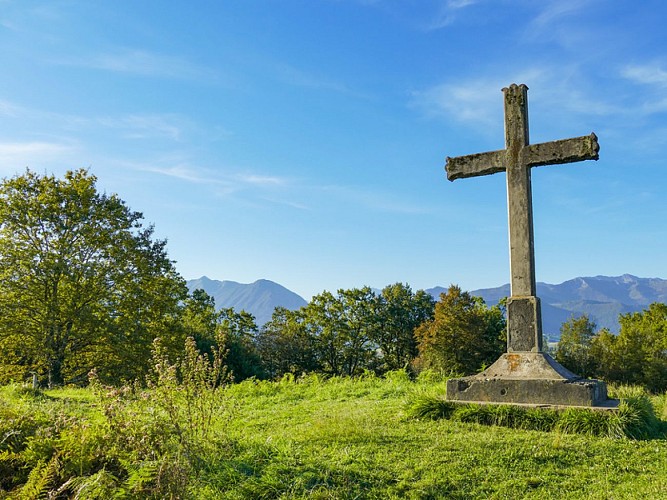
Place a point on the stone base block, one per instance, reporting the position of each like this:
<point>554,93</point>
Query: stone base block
<point>557,392</point>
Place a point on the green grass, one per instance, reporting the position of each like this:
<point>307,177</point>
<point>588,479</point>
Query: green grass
<point>635,418</point>
<point>310,438</point>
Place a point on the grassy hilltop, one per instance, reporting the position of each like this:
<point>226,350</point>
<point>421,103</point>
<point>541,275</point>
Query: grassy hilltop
<point>309,438</point>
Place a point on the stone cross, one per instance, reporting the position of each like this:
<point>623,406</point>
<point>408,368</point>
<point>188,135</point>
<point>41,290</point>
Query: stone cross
<point>523,307</point>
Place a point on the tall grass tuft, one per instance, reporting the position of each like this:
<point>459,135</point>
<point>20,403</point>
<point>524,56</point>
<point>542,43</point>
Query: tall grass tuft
<point>590,422</point>
<point>430,408</point>
<point>634,419</point>
<point>638,419</point>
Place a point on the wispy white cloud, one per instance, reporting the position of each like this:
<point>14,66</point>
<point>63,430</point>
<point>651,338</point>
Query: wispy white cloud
<point>555,10</point>
<point>4,20</point>
<point>229,180</point>
<point>260,180</point>
<point>9,109</point>
<point>143,63</point>
<point>425,15</point>
<point>288,203</point>
<point>8,25</point>
<point>652,78</point>
<point>182,172</point>
<point>141,126</point>
<point>554,22</point>
<point>130,126</point>
<point>474,101</point>
<point>447,13</point>
<point>33,154</point>
<point>276,190</point>
<point>477,101</point>
<point>380,201</point>
<point>647,74</point>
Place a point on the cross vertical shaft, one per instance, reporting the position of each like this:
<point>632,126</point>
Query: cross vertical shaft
<point>519,197</point>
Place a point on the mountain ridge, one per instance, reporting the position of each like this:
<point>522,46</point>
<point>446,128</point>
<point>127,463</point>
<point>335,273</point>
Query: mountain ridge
<point>603,298</point>
<point>259,298</point>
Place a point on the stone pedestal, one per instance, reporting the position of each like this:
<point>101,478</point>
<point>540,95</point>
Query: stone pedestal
<point>528,378</point>
<point>524,324</point>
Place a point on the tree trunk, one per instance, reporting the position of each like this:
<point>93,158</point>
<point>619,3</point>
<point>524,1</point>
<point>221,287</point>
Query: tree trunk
<point>55,364</point>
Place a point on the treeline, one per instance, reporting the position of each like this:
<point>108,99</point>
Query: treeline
<point>85,285</point>
<point>354,331</point>
<point>637,355</point>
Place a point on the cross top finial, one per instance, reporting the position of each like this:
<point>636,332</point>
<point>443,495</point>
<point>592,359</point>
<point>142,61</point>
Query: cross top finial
<point>514,86</point>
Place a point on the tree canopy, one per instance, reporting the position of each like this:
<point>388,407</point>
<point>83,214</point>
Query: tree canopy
<point>463,336</point>
<point>637,355</point>
<point>83,282</point>
<point>574,347</point>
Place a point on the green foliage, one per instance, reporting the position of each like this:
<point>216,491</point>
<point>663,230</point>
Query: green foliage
<point>233,332</point>
<point>463,336</point>
<point>400,312</point>
<point>574,347</point>
<point>603,352</point>
<point>641,348</point>
<point>41,479</point>
<point>127,442</point>
<point>236,333</point>
<point>340,326</point>
<point>285,346</point>
<point>82,282</point>
<point>346,333</point>
<point>431,407</point>
<point>638,355</point>
<point>199,320</point>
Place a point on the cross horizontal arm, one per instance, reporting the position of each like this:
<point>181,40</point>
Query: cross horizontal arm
<point>475,165</point>
<point>565,151</point>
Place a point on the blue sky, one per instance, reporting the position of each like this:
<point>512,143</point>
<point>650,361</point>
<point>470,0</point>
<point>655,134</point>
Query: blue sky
<point>303,141</point>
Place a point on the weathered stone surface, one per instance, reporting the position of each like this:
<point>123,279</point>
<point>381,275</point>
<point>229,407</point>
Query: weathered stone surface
<point>578,392</point>
<point>521,365</point>
<point>528,378</point>
<point>524,375</point>
<point>564,151</point>
<point>524,325</point>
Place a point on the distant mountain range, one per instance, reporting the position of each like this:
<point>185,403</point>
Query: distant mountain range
<point>259,298</point>
<point>603,298</point>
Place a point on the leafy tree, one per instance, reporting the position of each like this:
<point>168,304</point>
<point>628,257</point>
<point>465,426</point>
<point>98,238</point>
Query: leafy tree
<point>82,281</point>
<point>341,328</point>
<point>574,347</point>
<point>324,321</point>
<point>360,319</point>
<point>237,332</point>
<point>603,352</point>
<point>285,346</point>
<point>463,336</point>
<point>200,320</point>
<point>641,348</point>
<point>400,312</point>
